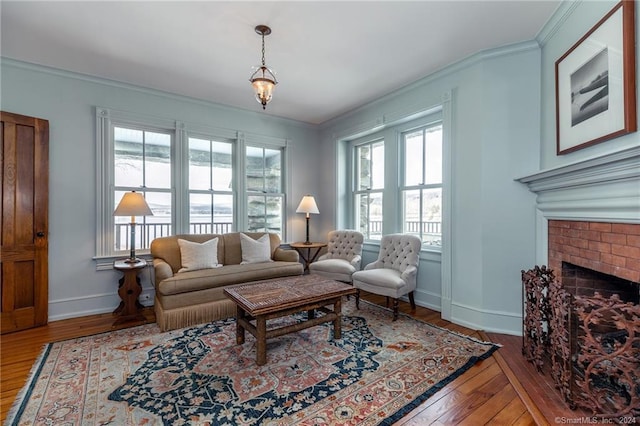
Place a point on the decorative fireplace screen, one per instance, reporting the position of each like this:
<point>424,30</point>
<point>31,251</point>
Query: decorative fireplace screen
<point>589,342</point>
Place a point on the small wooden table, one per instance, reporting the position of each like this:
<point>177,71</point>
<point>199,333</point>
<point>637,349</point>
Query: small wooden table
<point>129,290</point>
<point>307,256</point>
<point>279,297</point>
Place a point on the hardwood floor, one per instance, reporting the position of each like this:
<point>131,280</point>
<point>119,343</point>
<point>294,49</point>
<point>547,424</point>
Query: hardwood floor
<point>482,395</point>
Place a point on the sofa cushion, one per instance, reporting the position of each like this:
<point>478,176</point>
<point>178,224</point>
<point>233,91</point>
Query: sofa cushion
<point>196,256</point>
<point>255,251</point>
<point>228,274</point>
<point>167,248</point>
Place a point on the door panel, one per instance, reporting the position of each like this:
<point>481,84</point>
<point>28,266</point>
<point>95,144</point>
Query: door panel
<point>24,145</point>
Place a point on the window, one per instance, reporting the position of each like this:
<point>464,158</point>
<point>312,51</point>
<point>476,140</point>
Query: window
<point>422,183</point>
<point>264,189</point>
<point>190,177</point>
<point>368,188</point>
<point>142,162</point>
<point>211,197</point>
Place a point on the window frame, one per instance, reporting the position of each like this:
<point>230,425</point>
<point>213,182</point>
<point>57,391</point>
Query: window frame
<point>107,118</point>
<point>356,192</point>
<point>403,186</point>
<point>256,193</point>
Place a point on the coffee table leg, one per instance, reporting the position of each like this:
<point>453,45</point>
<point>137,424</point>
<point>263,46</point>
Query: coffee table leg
<point>239,328</point>
<point>261,326</point>
<point>311,314</point>
<point>337,323</point>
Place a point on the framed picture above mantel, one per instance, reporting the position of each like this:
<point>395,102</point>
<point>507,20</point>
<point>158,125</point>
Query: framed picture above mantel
<point>596,83</point>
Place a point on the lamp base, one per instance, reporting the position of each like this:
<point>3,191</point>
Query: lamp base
<point>307,243</point>
<point>132,260</point>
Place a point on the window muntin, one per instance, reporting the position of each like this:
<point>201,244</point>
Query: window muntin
<point>369,185</point>
<point>264,189</point>
<point>422,186</point>
<point>211,196</point>
<point>142,162</point>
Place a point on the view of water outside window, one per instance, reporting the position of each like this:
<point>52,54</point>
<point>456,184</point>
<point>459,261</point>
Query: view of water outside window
<point>210,186</point>
<point>422,192</point>
<point>142,162</point>
<point>369,186</point>
<point>265,198</point>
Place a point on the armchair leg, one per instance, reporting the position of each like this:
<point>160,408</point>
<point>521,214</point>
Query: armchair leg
<point>395,309</point>
<point>412,300</point>
<point>357,298</point>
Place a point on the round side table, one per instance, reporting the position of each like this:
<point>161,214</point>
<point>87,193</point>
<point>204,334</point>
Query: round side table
<point>129,289</point>
<point>306,254</point>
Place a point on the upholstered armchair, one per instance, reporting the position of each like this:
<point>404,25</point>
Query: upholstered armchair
<point>394,273</point>
<point>343,257</point>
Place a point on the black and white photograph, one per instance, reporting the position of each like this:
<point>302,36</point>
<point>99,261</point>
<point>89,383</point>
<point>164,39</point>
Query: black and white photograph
<point>595,83</point>
<point>590,88</point>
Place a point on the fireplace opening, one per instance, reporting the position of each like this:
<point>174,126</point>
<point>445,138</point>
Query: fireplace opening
<point>580,281</point>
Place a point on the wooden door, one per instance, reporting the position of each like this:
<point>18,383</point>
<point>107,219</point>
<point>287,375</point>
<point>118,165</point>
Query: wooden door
<point>24,186</point>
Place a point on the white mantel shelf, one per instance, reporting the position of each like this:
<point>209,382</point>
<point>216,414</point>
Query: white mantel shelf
<point>605,188</point>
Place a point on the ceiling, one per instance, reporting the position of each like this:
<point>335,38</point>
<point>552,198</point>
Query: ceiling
<point>329,57</point>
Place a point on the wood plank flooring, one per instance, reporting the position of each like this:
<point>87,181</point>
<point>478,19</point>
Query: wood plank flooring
<point>482,395</point>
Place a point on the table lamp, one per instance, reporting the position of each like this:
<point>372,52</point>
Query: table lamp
<point>133,204</point>
<point>308,205</point>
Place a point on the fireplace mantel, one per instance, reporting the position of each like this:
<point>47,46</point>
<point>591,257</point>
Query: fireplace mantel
<point>605,189</point>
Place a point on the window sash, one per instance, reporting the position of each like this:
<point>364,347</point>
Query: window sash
<point>414,214</point>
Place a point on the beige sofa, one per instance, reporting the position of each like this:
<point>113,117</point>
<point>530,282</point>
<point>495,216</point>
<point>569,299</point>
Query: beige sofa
<point>193,297</point>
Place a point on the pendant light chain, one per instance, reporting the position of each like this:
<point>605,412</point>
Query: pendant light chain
<point>263,50</point>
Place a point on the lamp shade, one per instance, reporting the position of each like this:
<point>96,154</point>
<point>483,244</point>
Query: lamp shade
<point>308,205</point>
<point>133,204</point>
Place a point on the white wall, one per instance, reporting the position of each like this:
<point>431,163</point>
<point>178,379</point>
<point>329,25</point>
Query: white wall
<point>570,23</point>
<point>68,101</point>
<point>495,98</point>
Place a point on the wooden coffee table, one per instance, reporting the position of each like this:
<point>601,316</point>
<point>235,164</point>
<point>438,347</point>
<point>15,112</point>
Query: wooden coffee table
<point>265,300</point>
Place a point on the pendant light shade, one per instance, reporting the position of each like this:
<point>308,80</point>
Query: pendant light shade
<point>263,79</point>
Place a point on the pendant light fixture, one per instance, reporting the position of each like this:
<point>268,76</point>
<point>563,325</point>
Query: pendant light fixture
<point>263,79</point>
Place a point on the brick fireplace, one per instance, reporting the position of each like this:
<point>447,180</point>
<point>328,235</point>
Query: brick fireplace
<point>593,315</point>
<point>587,219</point>
<point>610,248</point>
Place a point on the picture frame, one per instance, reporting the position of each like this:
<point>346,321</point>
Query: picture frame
<point>596,83</point>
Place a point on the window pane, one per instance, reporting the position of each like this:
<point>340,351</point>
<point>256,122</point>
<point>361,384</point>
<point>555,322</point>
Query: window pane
<point>222,213</point>
<point>222,166</point>
<point>255,169</point>
<point>274,215</point>
<point>432,216</point>
<point>433,155</point>
<point>128,157</point>
<point>158,225</point>
<point>363,154</point>
<point>256,213</point>
<point>426,222</point>
<point>157,160</point>
<point>199,164</point>
<point>375,216</point>
<point>265,214</point>
<point>377,166</point>
<point>411,210</point>
<point>413,156</point>
<point>200,213</point>
<point>369,215</point>
<point>273,171</point>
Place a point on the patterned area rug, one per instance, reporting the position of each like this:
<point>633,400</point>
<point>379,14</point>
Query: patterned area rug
<point>378,372</point>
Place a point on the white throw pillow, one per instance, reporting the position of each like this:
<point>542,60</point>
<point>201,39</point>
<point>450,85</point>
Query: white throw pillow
<point>198,256</point>
<point>255,251</point>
